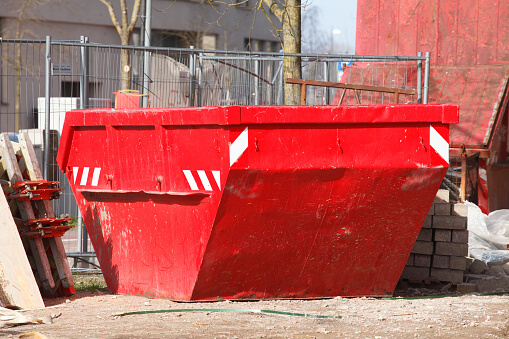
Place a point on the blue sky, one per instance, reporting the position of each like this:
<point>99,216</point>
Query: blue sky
<point>337,21</point>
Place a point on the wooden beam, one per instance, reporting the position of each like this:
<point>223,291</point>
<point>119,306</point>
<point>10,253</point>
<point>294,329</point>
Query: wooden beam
<point>18,288</point>
<point>350,86</point>
<point>45,208</point>
<point>303,92</point>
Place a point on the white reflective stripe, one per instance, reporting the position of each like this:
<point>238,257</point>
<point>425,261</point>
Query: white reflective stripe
<point>75,173</point>
<point>217,177</point>
<point>84,176</point>
<point>204,180</point>
<point>238,147</point>
<point>95,176</point>
<point>190,180</point>
<point>439,144</point>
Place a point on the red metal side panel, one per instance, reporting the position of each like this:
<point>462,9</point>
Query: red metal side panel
<point>345,184</point>
<point>367,27</point>
<point>454,32</point>
<point>502,34</point>
<point>487,32</point>
<point>427,23</point>
<point>468,20</point>
<point>372,114</point>
<point>286,202</point>
<point>407,28</point>
<point>388,27</point>
<point>448,33</point>
<point>477,90</point>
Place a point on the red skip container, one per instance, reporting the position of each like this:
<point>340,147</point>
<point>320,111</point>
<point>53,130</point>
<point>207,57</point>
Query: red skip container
<point>254,202</point>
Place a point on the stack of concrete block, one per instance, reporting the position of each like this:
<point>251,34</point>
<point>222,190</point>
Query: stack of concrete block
<point>440,251</point>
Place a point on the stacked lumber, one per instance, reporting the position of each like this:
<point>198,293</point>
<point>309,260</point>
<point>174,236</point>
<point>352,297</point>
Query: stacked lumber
<point>440,251</point>
<point>32,217</point>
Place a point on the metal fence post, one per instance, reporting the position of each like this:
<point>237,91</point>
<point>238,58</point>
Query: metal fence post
<point>256,82</point>
<point>84,73</point>
<point>281,94</point>
<point>192,77</point>
<point>326,78</point>
<point>419,79</point>
<point>200,79</point>
<point>426,78</point>
<point>146,54</point>
<point>84,103</point>
<point>47,94</point>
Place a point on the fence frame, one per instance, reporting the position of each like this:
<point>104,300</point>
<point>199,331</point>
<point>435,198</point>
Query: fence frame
<point>196,61</point>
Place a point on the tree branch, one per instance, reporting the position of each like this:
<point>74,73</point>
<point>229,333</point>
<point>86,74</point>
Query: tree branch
<point>274,8</point>
<point>123,14</point>
<point>134,15</point>
<point>112,16</point>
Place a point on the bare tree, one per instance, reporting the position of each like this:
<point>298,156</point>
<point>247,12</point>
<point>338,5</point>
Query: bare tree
<point>124,29</point>
<point>24,15</point>
<point>288,13</point>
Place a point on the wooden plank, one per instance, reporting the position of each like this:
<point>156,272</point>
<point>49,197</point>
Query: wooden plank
<point>64,271</point>
<point>42,263</point>
<point>303,93</point>
<point>13,173</point>
<point>7,151</point>
<point>44,207</point>
<point>350,86</point>
<point>18,288</point>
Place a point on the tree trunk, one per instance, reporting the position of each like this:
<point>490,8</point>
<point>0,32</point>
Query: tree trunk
<point>291,21</point>
<point>125,66</point>
<point>290,18</point>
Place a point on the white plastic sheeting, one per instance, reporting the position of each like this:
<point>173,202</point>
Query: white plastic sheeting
<point>488,235</point>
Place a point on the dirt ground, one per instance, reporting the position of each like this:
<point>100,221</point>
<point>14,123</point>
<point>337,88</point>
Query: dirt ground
<point>95,315</point>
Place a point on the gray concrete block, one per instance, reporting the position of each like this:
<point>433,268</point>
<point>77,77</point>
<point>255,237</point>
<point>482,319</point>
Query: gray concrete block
<point>460,236</point>
<point>443,274</point>
<point>431,210</point>
<point>443,208</point>
<point>466,288</point>
<point>422,260</point>
<point>450,222</point>
<point>459,210</point>
<point>469,261</point>
<point>410,260</point>
<point>426,234</point>
<point>478,267</point>
<point>442,196</point>
<point>457,263</point>
<point>491,284</point>
<point>496,271</point>
<point>415,273</point>
<point>440,261</point>
<point>442,235</point>
<point>451,248</point>
<point>423,247</point>
<point>427,222</point>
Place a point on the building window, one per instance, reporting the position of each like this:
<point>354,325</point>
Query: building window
<point>258,45</point>
<point>178,39</point>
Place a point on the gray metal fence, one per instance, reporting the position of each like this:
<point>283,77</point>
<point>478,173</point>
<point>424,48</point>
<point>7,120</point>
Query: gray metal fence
<point>41,80</point>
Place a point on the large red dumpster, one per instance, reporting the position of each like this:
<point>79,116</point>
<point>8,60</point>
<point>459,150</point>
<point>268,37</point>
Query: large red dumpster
<point>255,202</point>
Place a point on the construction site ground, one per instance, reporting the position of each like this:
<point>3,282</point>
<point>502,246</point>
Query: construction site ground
<point>413,313</point>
